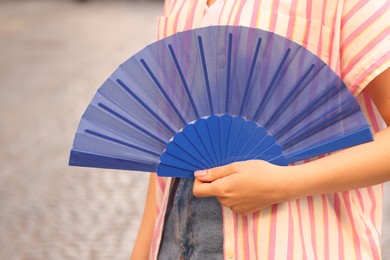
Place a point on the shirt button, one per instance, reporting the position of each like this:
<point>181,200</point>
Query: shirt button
<point>230,253</point>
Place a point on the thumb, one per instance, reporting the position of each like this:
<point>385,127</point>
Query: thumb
<point>216,173</point>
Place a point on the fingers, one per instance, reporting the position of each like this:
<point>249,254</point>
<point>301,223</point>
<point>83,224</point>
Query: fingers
<point>207,182</point>
<point>204,189</point>
<point>214,189</point>
<point>216,173</point>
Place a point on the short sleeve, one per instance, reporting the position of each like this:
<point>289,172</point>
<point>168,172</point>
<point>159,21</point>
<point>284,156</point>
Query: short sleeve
<point>161,185</point>
<point>364,42</point>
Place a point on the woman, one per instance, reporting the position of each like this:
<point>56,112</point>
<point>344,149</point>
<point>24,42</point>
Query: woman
<point>328,208</point>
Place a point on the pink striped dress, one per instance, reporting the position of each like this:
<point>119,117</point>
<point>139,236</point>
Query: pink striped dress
<point>353,38</point>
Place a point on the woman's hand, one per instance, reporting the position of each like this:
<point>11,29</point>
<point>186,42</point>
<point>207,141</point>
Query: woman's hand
<point>245,186</point>
<point>253,185</point>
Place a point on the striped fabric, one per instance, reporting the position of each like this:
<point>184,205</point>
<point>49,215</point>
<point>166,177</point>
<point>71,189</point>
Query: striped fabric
<point>352,37</point>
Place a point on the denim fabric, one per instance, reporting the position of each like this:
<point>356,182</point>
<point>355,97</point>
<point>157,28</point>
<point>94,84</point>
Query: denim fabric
<point>193,226</point>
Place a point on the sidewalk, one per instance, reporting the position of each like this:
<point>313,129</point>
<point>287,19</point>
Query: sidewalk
<point>54,56</point>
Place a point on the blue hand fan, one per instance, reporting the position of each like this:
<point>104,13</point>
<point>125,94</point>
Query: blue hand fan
<point>211,96</point>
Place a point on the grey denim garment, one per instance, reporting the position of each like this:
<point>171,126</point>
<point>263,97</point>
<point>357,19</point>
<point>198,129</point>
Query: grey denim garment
<point>193,226</point>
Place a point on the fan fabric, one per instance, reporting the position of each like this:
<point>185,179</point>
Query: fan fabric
<point>210,96</point>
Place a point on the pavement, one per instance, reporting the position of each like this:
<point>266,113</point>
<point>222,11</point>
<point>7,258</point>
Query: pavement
<point>54,55</point>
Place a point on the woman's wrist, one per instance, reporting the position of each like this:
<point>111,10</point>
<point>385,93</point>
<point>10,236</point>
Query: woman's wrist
<point>300,181</point>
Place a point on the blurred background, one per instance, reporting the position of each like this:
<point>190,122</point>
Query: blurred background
<point>53,57</point>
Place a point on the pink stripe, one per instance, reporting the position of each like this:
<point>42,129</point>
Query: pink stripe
<point>374,246</point>
<point>356,241</point>
<point>319,49</point>
<point>255,13</point>
<point>191,15</point>
<point>231,13</point>
<point>238,16</point>
<point>255,229</point>
<point>337,210</point>
<point>326,226</point>
<point>312,226</point>
<point>371,113</point>
<point>165,29</point>
<point>158,205</point>
<point>235,234</point>
<point>158,230</point>
<point>309,8</point>
<point>373,203</point>
<point>370,70</point>
<point>272,235</point>
<point>161,183</point>
<point>352,12</point>
<point>173,6</point>
<point>274,15</point>
<point>301,229</point>
<point>290,243</point>
<point>246,237</point>
<point>360,199</point>
<point>224,231</point>
<point>291,21</point>
<point>163,32</point>
<point>175,24</point>
<point>223,11</point>
<point>364,26</point>
<point>331,49</point>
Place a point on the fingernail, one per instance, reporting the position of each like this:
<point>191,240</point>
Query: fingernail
<point>200,173</point>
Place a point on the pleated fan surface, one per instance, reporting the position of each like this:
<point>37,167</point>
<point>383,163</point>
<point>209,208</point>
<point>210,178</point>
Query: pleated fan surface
<point>211,96</point>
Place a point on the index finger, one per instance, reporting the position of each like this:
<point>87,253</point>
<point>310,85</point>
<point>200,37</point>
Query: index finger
<point>213,174</point>
<point>204,189</point>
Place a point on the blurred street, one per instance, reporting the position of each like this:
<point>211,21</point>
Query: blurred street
<point>54,55</point>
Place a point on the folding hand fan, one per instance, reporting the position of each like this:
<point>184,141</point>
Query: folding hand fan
<point>215,95</point>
